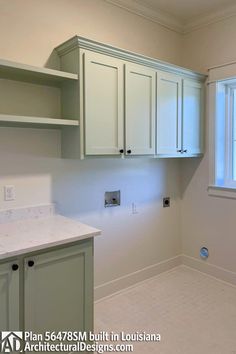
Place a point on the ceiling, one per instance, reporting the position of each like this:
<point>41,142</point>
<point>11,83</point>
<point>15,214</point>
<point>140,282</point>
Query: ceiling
<point>180,15</point>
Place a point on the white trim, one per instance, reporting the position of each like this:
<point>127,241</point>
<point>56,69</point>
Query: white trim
<point>210,18</point>
<point>222,192</point>
<point>128,280</point>
<point>116,286</point>
<point>152,14</point>
<point>221,65</point>
<point>107,49</point>
<point>211,107</point>
<point>210,269</point>
<point>221,183</point>
<point>222,72</point>
<point>163,18</point>
<point>122,291</point>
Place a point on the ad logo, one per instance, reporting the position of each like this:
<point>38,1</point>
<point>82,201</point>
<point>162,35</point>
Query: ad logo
<point>11,342</point>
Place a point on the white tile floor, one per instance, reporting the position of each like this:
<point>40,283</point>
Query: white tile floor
<point>193,313</point>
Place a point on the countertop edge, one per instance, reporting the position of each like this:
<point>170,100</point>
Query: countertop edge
<point>45,246</point>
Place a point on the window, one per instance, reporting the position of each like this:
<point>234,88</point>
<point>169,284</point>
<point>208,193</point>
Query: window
<point>222,129</point>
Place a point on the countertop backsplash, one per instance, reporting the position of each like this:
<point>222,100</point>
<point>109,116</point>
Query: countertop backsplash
<point>30,212</point>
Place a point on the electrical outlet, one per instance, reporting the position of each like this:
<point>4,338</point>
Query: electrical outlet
<point>9,193</point>
<point>166,202</point>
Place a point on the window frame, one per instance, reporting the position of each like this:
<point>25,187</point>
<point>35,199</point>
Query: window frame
<point>220,102</point>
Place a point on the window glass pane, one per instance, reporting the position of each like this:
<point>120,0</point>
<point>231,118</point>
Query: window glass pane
<point>220,135</point>
<point>234,135</point>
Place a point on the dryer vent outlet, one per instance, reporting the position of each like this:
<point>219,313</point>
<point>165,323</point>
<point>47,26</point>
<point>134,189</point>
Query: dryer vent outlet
<point>204,253</point>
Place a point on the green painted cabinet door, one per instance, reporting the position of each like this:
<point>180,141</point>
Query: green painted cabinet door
<point>139,110</point>
<point>9,297</point>
<point>103,104</point>
<point>59,289</point>
<point>192,140</point>
<point>169,114</point>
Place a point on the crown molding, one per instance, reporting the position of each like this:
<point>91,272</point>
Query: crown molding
<point>78,42</point>
<point>198,22</point>
<point>141,8</point>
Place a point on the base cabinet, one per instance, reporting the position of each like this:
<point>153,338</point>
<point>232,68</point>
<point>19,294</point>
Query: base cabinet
<point>9,296</point>
<point>57,291</point>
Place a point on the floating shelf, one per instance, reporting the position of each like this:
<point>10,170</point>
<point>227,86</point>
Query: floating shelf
<point>11,120</point>
<point>23,72</point>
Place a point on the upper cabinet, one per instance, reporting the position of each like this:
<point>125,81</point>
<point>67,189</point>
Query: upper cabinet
<point>192,117</point>
<point>179,116</point>
<point>103,110</point>
<point>129,104</point>
<point>119,106</point>
<point>169,102</point>
<point>139,110</point>
<point>107,102</point>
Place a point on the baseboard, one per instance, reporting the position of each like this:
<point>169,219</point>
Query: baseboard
<point>131,279</point>
<point>210,269</point>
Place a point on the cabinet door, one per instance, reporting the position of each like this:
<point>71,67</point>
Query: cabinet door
<point>192,141</point>
<point>59,290</point>
<point>9,298</point>
<point>139,110</point>
<point>103,104</point>
<point>169,102</point>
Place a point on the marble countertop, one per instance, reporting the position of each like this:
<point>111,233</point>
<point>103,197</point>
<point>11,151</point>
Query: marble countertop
<point>19,237</point>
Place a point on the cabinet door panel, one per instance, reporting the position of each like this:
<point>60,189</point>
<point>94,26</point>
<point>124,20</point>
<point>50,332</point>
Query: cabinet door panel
<point>103,104</point>
<point>140,110</point>
<point>9,298</point>
<point>59,290</point>
<point>169,93</point>
<point>192,117</point>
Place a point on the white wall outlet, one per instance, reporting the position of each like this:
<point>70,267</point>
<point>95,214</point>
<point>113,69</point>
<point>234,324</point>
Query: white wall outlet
<point>9,193</point>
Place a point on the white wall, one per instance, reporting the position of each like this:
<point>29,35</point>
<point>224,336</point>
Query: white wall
<point>212,45</point>
<point>206,220</point>
<point>29,30</point>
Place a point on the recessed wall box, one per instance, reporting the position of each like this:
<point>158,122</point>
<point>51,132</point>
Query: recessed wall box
<point>112,199</point>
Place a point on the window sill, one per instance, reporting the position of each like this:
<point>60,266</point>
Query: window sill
<point>222,192</point>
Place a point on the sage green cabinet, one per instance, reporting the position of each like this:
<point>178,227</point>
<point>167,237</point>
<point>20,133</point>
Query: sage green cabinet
<point>139,110</point>
<point>179,116</point>
<point>59,290</point>
<point>118,97</point>
<point>169,102</point>
<point>103,87</point>
<point>130,104</point>
<point>52,290</point>
<point>193,110</point>
<point>9,296</point>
